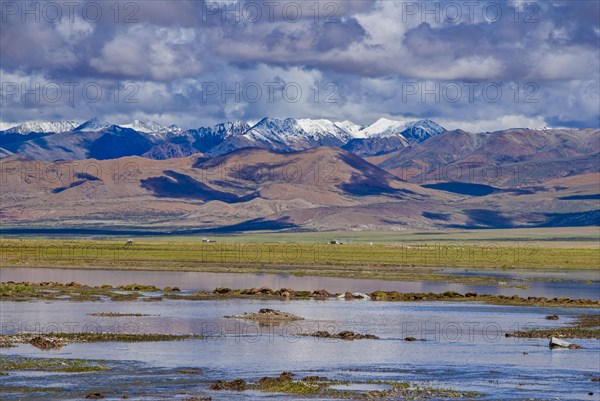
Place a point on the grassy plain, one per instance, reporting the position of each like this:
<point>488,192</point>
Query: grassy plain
<point>385,255</point>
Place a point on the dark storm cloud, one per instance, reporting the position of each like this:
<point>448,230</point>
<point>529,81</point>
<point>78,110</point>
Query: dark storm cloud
<point>173,51</point>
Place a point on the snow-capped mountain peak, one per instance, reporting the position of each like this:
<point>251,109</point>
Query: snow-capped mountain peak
<point>286,135</point>
<point>207,138</point>
<point>413,131</point>
<point>43,126</point>
<point>270,129</point>
<point>144,126</point>
<point>93,125</point>
<point>323,127</point>
<point>290,131</point>
<point>420,130</point>
<point>298,134</point>
<point>384,127</point>
<point>155,131</point>
<point>352,128</point>
<point>280,135</point>
<point>230,128</point>
<point>234,127</point>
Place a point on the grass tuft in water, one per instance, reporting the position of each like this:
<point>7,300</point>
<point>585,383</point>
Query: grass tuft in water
<point>50,365</point>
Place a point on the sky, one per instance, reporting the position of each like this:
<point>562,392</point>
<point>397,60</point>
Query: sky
<point>474,65</point>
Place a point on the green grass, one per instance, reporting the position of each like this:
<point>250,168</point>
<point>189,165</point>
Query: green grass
<point>359,259</point>
<point>565,237</point>
<point>56,291</point>
<point>124,337</point>
<point>412,391</point>
<point>65,338</point>
<point>321,386</point>
<point>50,365</point>
<point>291,387</point>
<point>16,291</point>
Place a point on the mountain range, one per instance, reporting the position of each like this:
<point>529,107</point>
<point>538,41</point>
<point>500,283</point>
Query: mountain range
<point>294,174</point>
<point>51,141</point>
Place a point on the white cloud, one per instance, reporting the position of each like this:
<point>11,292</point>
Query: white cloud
<point>145,52</point>
<point>75,30</point>
<point>367,56</point>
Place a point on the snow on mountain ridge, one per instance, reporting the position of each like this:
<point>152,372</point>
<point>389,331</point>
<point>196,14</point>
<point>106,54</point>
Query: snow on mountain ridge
<point>205,139</point>
<point>223,129</point>
<point>144,126</point>
<point>43,126</point>
<point>413,131</point>
<point>418,131</point>
<point>156,132</point>
<point>352,128</point>
<point>271,127</point>
<point>318,127</point>
<point>93,125</point>
<point>384,127</point>
<point>280,135</point>
<point>294,131</point>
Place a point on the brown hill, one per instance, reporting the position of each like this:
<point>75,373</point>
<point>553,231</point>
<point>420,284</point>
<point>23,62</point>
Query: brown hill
<point>510,158</point>
<point>255,189</point>
<point>199,193</point>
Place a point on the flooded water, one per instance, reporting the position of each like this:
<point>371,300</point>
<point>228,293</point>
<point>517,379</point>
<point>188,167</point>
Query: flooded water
<point>576,289</point>
<point>464,348</point>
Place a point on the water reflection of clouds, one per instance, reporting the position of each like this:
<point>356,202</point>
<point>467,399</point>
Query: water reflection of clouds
<point>206,281</point>
<point>450,329</point>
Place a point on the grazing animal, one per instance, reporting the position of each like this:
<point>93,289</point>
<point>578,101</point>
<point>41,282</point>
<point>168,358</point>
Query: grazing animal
<point>129,242</point>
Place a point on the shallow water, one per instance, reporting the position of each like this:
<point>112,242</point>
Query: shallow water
<point>569,275</point>
<point>209,281</point>
<point>465,347</point>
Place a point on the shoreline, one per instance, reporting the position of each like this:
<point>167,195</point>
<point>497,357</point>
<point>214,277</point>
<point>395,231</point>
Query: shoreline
<point>28,291</point>
<point>520,278</point>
